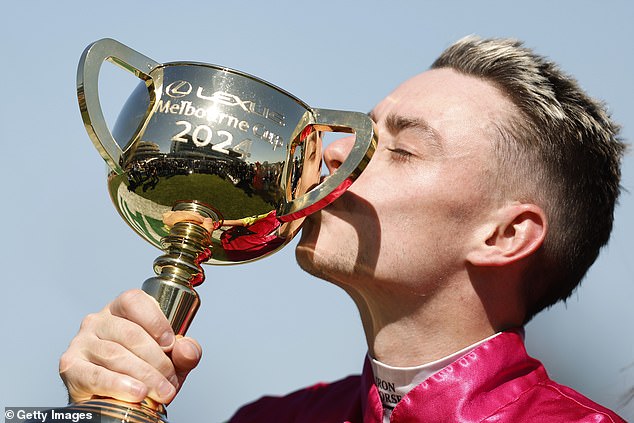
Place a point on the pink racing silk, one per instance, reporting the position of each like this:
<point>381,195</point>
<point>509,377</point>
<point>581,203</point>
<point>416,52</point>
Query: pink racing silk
<point>495,382</point>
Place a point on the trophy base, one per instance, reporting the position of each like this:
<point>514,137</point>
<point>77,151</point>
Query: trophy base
<point>108,410</point>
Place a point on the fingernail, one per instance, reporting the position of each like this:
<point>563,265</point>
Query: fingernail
<point>192,352</point>
<point>166,339</point>
<point>166,389</point>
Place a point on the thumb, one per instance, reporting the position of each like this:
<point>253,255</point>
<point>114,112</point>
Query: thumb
<point>185,356</point>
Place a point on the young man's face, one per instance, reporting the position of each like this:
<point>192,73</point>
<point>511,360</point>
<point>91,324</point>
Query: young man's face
<point>416,210</point>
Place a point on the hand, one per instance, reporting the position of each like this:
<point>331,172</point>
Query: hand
<point>124,352</point>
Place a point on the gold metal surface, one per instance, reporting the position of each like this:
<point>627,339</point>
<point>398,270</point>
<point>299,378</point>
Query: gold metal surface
<point>217,142</point>
<point>177,271</point>
<point>202,132</point>
<point>115,411</point>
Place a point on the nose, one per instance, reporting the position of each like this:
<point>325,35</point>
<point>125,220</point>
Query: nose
<point>337,151</point>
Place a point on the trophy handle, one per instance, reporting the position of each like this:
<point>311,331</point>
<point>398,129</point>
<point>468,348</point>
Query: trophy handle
<point>88,92</point>
<point>330,189</point>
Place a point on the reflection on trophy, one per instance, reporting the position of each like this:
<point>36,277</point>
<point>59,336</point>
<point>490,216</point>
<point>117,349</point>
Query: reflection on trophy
<point>210,165</point>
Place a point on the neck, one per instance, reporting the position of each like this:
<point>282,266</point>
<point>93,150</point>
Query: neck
<point>405,329</point>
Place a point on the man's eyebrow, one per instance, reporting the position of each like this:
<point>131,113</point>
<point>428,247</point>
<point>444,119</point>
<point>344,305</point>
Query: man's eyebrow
<point>396,123</point>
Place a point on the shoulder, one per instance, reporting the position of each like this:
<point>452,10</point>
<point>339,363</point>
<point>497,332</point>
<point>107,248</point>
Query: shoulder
<point>319,402</point>
<point>506,384</point>
<point>549,401</point>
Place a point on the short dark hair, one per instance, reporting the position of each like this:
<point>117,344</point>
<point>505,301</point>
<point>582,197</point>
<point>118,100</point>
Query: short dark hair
<point>561,152</point>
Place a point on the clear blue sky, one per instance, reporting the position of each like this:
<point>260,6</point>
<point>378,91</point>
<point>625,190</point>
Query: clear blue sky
<point>266,327</point>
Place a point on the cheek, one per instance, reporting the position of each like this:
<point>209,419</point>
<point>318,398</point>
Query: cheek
<point>427,220</point>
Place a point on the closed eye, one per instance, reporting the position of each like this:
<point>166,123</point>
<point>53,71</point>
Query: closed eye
<point>398,154</point>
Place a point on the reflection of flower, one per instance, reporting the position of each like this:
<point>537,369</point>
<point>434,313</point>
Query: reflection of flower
<point>251,237</point>
<point>170,218</point>
<point>248,221</point>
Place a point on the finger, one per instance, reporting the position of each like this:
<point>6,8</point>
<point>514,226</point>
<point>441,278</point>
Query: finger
<point>131,337</point>
<point>84,379</point>
<point>185,356</point>
<point>160,385</point>
<point>140,308</point>
<point>124,347</point>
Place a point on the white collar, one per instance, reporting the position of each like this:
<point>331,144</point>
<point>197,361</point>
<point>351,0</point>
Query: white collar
<point>394,383</point>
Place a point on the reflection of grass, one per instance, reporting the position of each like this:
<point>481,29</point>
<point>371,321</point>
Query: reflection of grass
<point>231,201</point>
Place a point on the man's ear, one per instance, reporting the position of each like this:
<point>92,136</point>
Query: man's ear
<point>515,232</point>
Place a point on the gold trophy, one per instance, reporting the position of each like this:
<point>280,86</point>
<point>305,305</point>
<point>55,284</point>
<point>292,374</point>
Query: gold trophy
<point>232,160</point>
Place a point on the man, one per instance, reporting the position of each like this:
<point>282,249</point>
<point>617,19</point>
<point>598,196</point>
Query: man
<point>490,194</point>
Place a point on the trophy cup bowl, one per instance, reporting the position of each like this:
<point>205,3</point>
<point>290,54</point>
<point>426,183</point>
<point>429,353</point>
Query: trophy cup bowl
<point>217,144</point>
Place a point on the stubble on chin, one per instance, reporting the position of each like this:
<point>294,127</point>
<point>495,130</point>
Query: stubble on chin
<point>310,262</point>
<point>322,250</point>
<point>332,265</point>
<point>305,249</point>
<point>306,252</point>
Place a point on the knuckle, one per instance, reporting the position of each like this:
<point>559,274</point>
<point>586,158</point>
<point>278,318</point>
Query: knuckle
<point>165,367</point>
<point>66,362</point>
<point>94,378</point>
<point>82,381</point>
<point>131,334</point>
<point>158,324</point>
<point>109,352</point>
<point>155,361</point>
<point>130,298</point>
<point>149,375</point>
<point>89,322</point>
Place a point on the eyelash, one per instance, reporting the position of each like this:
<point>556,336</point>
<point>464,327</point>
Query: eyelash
<point>400,154</point>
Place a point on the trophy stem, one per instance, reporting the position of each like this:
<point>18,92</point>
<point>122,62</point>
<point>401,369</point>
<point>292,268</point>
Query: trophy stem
<point>177,272</point>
